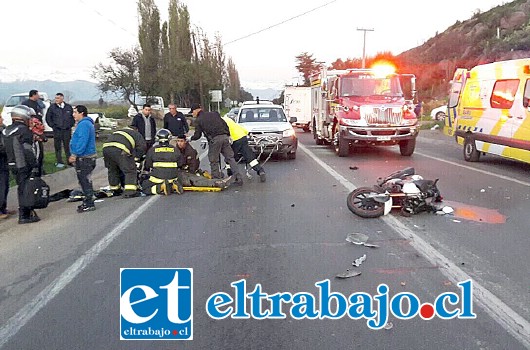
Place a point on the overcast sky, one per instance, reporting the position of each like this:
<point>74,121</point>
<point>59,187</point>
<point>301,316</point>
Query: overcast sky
<point>64,39</point>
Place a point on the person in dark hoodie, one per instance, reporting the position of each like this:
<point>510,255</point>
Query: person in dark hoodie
<point>83,147</point>
<point>4,176</point>
<point>18,141</point>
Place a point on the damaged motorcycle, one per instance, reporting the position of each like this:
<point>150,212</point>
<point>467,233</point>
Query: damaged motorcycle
<point>402,190</point>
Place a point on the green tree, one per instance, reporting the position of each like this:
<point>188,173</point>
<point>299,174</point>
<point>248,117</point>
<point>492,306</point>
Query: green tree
<point>121,76</point>
<point>233,84</point>
<point>149,38</point>
<point>307,65</point>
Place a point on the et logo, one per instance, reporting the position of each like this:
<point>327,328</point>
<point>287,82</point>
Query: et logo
<point>156,304</point>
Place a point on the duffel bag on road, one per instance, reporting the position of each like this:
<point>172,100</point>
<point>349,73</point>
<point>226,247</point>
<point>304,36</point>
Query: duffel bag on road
<point>36,193</point>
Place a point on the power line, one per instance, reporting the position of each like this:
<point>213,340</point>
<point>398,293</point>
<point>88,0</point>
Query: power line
<point>108,19</point>
<point>280,23</point>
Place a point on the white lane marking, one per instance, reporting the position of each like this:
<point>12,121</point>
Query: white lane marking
<point>507,178</point>
<point>24,315</point>
<point>511,321</point>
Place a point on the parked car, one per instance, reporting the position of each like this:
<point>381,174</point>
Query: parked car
<point>439,113</point>
<point>232,114</point>
<point>269,129</point>
<point>17,99</point>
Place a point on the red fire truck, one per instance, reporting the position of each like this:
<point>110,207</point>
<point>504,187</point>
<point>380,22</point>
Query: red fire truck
<point>364,107</point>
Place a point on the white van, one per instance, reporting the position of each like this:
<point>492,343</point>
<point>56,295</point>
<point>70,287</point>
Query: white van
<point>17,99</point>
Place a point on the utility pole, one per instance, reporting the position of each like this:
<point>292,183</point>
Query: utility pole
<point>364,43</point>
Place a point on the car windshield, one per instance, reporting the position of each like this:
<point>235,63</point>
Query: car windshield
<point>368,85</point>
<point>253,115</point>
<point>15,100</point>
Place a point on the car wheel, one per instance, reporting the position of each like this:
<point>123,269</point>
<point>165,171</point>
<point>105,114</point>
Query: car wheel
<point>440,116</point>
<point>406,147</point>
<point>471,154</point>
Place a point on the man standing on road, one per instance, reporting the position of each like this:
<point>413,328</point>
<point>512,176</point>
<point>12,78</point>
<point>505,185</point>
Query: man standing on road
<point>175,121</point>
<point>146,126</point>
<point>83,146</point>
<point>21,158</point>
<point>60,118</point>
<point>218,136</point>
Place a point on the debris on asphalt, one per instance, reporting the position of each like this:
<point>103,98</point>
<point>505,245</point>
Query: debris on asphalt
<point>403,284</point>
<point>457,221</point>
<point>354,168</point>
<point>359,261</point>
<point>348,274</point>
<point>447,283</point>
<point>435,126</point>
<point>232,220</point>
<point>99,200</point>
<point>357,238</point>
<point>370,245</point>
<point>388,326</point>
<point>292,205</point>
<point>482,190</point>
<point>445,210</point>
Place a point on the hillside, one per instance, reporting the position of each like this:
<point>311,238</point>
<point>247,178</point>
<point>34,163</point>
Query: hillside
<point>499,34</point>
<point>78,90</point>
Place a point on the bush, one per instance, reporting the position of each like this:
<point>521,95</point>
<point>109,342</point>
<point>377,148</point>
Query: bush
<point>116,112</point>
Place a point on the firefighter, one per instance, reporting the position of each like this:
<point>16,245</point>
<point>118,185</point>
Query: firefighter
<point>21,157</point>
<point>238,134</point>
<point>122,150</point>
<point>162,161</point>
<point>189,172</point>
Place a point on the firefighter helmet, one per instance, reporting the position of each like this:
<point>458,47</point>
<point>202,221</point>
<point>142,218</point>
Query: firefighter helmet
<point>21,112</point>
<point>163,136</point>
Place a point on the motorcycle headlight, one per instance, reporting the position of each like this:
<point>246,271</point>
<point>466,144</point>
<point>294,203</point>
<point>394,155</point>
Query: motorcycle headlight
<point>288,132</point>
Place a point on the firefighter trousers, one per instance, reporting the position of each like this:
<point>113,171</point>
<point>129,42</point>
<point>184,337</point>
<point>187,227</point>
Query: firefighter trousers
<point>117,162</point>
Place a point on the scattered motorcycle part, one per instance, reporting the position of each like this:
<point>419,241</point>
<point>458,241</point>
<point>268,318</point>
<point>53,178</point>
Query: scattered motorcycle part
<point>359,261</point>
<point>357,238</point>
<point>348,274</point>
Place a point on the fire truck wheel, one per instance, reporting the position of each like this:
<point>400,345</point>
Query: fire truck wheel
<point>406,147</point>
<point>470,150</point>
<point>342,147</point>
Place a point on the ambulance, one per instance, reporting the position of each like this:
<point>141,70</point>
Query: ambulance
<point>488,110</point>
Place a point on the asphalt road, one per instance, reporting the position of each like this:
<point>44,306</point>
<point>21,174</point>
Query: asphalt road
<point>60,279</point>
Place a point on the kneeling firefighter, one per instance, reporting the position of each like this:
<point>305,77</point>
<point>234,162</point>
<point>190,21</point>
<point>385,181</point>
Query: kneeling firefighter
<point>162,161</point>
<point>121,152</point>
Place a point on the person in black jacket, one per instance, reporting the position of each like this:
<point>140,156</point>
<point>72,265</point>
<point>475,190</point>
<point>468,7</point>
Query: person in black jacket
<point>146,126</point>
<point>218,135</point>
<point>34,102</point>
<point>175,121</point>
<point>60,117</point>
<point>21,157</point>
<point>4,176</point>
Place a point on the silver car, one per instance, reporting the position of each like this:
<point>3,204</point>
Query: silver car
<point>269,129</point>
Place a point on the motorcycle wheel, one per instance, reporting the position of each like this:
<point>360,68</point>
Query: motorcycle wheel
<point>360,204</point>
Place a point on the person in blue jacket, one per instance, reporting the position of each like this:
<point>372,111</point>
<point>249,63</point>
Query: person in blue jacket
<point>83,154</point>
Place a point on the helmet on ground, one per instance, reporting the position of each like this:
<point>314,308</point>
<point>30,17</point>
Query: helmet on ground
<point>163,136</point>
<point>21,112</point>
